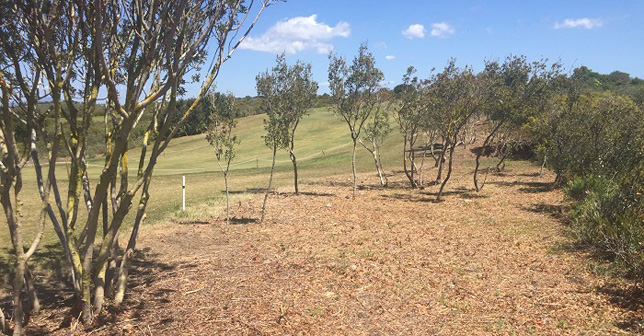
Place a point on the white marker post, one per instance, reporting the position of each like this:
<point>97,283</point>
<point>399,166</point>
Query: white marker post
<point>183,203</point>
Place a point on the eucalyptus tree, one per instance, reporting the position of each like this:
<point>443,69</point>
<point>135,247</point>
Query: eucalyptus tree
<point>457,98</point>
<point>19,89</point>
<point>21,124</point>
<point>515,91</point>
<point>354,93</point>
<point>288,94</point>
<point>220,134</point>
<point>377,130</point>
<point>409,116</point>
<point>140,53</point>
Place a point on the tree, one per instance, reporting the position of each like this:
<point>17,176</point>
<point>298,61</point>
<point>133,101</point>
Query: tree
<point>457,98</point>
<point>220,134</point>
<point>353,90</point>
<point>377,130</point>
<point>288,93</point>
<point>409,117</point>
<point>515,91</point>
<point>139,53</point>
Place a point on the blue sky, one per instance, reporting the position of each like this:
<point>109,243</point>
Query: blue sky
<point>603,35</point>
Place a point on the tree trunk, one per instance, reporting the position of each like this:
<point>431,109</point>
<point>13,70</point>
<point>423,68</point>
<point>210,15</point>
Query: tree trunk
<point>353,165</point>
<point>270,184</point>
<point>543,164</point>
<point>480,153</point>
<point>19,278</point>
<point>374,153</point>
<point>375,161</point>
<point>501,165</point>
<point>4,328</point>
<point>30,288</point>
<point>449,172</point>
<point>293,159</point>
<point>227,198</point>
<point>382,169</point>
<point>19,266</point>
<point>124,267</point>
<point>441,163</point>
<point>420,170</point>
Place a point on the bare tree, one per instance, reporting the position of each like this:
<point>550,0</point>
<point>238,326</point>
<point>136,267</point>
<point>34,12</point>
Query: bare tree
<point>353,90</point>
<point>220,134</point>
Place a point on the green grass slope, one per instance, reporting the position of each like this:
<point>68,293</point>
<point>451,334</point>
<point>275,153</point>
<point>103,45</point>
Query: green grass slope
<point>322,146</point>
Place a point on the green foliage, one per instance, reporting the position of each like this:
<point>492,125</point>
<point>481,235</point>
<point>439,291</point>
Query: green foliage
<point>221,124</point>
<point>455,95</point>
<point>378,127</point>
<point>609,216</point>
<point>617,81</point>
<point>410,111</point>
<point>592,133</point>
<point>353,88</point>
<point>288,92</point>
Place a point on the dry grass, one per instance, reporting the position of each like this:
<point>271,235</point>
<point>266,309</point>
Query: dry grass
<point>391,262</point>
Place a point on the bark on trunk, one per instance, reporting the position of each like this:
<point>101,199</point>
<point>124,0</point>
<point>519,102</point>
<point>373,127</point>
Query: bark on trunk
<point>270,185</point>
<point>543,164</point>
<point>227,198</point>
<point>4,328</point>
<point>353,165</point>
<point>124,267</point>
<point>449,173</point>
<point>441,163</point>
<point>480,153</point>
<point>374,153</point>
<point>294,160</point>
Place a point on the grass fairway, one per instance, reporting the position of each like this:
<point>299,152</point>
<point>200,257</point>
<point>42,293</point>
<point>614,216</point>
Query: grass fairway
<point>323,148</point>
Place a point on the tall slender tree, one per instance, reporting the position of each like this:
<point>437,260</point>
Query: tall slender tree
<point>288,94</point>
<point>377,130</point>
<point>353,90</point>
<point>409,116</point>
<point>220,134</point>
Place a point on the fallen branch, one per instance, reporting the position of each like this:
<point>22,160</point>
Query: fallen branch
<point>193,291</point>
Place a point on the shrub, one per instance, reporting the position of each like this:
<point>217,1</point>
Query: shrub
<point>609,216</point>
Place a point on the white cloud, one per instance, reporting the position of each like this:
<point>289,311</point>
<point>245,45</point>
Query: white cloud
<point>381,45</point>
<point>390,57</point>
<point>579,23</point>
<point>442,29</point>
<point>414,31</point>
<point>297,34</point>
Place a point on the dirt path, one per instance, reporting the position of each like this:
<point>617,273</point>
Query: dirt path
<point>390,262</point>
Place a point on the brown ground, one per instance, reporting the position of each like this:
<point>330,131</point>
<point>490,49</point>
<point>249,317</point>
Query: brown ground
<point>390,262</point>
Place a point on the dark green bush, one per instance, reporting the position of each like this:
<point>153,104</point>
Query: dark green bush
<point>609,216</point>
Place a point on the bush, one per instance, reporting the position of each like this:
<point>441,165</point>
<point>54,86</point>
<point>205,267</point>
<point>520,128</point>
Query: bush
<point>609,216</point>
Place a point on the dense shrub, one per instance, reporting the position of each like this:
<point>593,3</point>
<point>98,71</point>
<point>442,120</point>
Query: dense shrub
<point>610,217</point>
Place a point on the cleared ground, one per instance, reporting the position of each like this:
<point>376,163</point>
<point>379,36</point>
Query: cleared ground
<point>391,261</point>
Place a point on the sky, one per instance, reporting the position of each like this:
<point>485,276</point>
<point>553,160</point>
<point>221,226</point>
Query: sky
<point>602,35</point>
